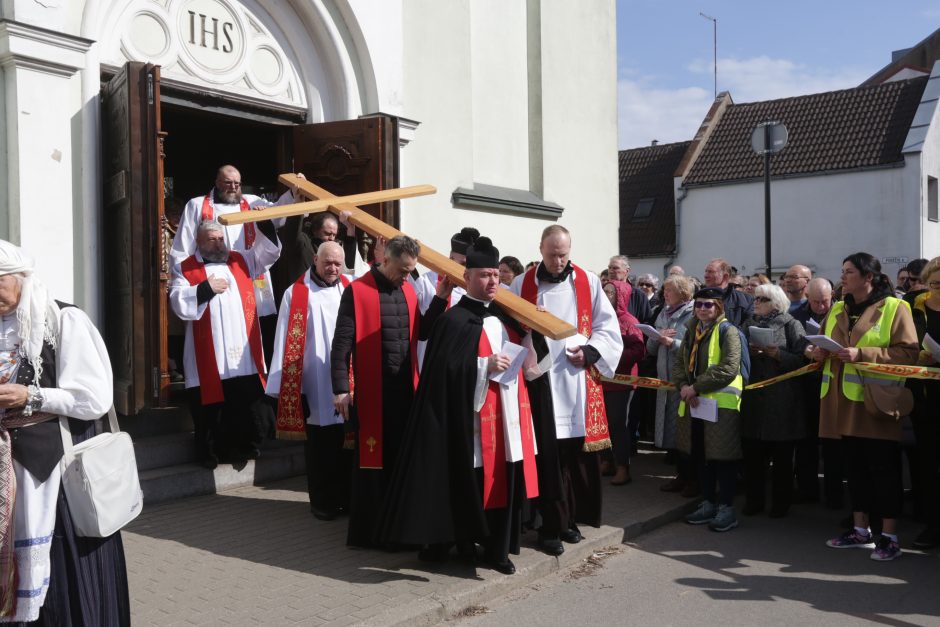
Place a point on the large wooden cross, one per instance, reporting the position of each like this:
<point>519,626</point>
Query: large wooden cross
<point>322,200</point>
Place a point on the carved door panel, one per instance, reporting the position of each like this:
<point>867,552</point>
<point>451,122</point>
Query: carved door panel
<point>135,271</point>
<point>350,157</point>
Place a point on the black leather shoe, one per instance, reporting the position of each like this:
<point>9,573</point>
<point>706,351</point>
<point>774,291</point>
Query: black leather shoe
<point>505,567</point>
<point>323,514</point>
<point>550,546</point>
<point>571,536</point>
<point>210,462</point>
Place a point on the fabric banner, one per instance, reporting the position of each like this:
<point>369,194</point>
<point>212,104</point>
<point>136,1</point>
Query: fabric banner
<point>908,372</point>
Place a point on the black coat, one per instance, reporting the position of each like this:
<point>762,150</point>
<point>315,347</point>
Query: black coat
<point>738,306</point>
<point>433,495</point>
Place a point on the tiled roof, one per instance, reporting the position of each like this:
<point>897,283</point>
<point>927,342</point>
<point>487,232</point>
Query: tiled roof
<point>837,130</point>
<point>647,173</point>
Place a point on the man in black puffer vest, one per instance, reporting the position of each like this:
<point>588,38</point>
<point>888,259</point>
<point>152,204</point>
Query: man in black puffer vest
<point>377,329</point>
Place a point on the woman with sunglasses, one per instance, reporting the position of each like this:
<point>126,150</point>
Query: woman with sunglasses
<point>772,418</point>
<point>707,371</point>
<point>864,409</point>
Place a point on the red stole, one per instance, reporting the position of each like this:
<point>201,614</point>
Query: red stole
<point>210,383</point>
<point>368,363</point>
<point>440,278</point>
<point>208,213</point>
<point>493,439</point>
<point>290,414</point>
<point>596,434</point>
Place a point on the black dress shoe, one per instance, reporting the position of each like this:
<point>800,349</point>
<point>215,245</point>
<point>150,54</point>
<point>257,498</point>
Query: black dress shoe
<point>505,567</point>
<point>571,536</point>
<point>323,513</point>
<point>253,453</point>
<point>210,462</point>
<point>550,546</point>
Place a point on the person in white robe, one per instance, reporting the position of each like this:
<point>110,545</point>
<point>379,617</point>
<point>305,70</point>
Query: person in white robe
<point>570,428</point>
<point>328,464</point>
<point>213,286</point>
<point>53,363</point>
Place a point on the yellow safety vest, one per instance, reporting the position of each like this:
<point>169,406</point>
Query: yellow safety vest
<point>728,397</point>
<point>879,335</point>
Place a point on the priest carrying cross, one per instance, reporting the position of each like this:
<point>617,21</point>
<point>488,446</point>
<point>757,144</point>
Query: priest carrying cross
<point>567,399</point>
<point>467,460</point>
<point>379,325</point>
<point>224,361</point>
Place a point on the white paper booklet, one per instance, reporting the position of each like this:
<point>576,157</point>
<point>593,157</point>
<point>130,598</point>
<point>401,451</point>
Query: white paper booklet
<point>707,409</point>
<point>812,326</point>
<point>824,342</point>
<point>759,336</point>
<point>517,355</point>
<point>649,331</point>
<point>932,347</point>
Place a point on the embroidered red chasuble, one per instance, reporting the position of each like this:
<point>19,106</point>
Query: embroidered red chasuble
<point>597,436</point>
<point>493,439</point>
<point>368,363</point>
<point>210,383</point>
<point>290,414</point>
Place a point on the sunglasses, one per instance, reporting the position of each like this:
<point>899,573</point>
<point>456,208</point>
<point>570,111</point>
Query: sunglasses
<point>761,299</point>
<point>646,285</point>
<point>704,304</point>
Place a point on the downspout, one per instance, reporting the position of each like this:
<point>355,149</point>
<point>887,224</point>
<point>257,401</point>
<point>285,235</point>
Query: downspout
<point>683,192</point>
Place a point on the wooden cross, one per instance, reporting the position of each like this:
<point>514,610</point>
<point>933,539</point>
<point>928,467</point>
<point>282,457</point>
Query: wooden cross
<point>517,307</point>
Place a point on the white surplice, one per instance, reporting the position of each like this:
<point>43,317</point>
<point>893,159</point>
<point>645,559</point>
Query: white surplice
<point>184,244</point>
<point>317,386</point>
<point>567,381</point>
<point>229,334</point>
<point>508,396</point>
<point>84,390</point>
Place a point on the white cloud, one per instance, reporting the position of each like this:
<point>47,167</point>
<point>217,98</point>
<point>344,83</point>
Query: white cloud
<point>648,112</point>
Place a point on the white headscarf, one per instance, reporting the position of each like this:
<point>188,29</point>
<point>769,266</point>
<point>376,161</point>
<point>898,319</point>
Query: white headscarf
<point>37,315</point>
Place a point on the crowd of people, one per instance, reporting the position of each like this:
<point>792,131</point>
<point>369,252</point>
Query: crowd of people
<point>710,339</point>
<point>434,420</point>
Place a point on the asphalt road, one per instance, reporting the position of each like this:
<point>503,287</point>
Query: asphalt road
<point>765,572</point>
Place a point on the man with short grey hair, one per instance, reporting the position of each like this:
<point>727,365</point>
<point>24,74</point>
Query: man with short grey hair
<point>378,326</point>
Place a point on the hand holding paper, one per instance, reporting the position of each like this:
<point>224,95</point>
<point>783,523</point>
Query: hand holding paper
<point>824,342</point>
<point>932,346</point>
<point>516,355</point>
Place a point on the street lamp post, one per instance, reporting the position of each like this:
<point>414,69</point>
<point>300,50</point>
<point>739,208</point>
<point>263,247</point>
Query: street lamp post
<point>768,138</point>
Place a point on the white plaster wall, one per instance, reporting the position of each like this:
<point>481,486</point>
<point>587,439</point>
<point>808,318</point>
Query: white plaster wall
<point>930,166</point>
<point>380,25</point>
<point>464,67</point>
<point>816,221</point>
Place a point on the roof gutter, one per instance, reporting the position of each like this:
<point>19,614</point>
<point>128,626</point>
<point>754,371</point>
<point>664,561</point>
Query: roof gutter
<point>683,192</point>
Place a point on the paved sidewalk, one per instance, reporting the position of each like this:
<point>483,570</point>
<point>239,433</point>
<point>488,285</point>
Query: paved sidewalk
<point>256,555</point>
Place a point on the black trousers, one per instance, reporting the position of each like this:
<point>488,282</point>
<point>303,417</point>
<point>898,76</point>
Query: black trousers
<point>926,467</point>
<point>615,402</point>
<point>504,523</point>
<point>231,428</point>
<point>329,467</point>
<point>833,471</point>
<point>807,449</point>
<point>874,473</point>
<point>580,488</point>
<point>719,478</point>
<point>757,454</point>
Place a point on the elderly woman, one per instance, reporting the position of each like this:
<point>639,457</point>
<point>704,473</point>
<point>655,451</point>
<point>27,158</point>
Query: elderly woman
<point>864,408</point>
<point>707,373</point>
<point>671,324</point>
<point>52,363</point>
<point>772,418</point>
<point>649,285</point>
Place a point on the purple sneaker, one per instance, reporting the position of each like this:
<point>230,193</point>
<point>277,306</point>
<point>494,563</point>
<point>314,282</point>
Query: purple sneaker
<point>852,539</point>
<point>886,550</point>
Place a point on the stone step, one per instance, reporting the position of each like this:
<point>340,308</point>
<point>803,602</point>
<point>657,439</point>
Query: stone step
<point>278,460</point>
<point>160,451</point>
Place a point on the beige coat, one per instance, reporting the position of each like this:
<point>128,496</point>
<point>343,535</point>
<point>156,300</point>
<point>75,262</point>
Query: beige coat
<point>838,416</point>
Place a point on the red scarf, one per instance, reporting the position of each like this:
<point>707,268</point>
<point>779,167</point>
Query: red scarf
<point>493,439</point>
<point>208,213</point>
<point>210,383</point>
<point>290,415</point>
<point>596,434</point>
<point>368,363</point>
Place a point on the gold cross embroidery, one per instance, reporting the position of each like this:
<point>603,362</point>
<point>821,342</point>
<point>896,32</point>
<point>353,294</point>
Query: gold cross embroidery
<point>371,444</point>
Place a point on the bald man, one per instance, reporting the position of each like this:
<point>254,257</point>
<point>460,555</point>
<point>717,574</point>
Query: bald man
<point>676,270</point>
<point>795,282</point>
<point>300,379</point>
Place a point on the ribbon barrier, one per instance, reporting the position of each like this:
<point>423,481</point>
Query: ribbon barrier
<point>908,372</point>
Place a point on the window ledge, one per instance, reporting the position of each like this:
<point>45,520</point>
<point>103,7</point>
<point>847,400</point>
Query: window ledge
<point>504,199</point>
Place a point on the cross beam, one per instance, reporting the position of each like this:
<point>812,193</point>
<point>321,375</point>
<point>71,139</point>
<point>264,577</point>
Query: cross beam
<point>316,206</point>
<point>517,307</point>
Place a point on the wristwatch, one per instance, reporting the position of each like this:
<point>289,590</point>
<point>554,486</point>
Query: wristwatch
<point>33,400</point>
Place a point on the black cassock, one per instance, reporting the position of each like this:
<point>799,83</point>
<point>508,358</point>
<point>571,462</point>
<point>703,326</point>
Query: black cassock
<point>435,494</point>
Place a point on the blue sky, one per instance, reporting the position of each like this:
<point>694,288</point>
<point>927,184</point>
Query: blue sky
<point>766,50</point>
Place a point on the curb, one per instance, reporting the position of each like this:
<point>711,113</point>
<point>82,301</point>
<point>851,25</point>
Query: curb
<point>434,610</point>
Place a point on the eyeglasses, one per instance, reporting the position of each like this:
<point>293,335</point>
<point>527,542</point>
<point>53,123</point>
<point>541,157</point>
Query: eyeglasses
<point>761,299</point>
<point>646,285</point>
<point>934,285</point>
<point>704,304</point>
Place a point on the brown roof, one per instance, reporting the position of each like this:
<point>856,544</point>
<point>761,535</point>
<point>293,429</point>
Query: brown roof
<point>837,130</point>
<point>647,173</point>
